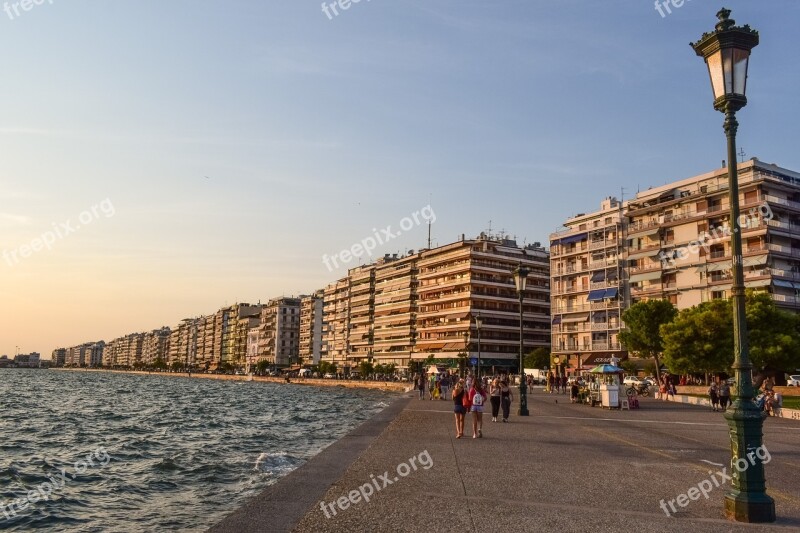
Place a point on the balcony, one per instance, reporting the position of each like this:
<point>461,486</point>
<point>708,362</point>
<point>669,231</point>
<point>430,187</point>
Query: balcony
<point>655,265</point>
<point>787,250</point>
<point>719,254</point>
<point>598,346</point>
<point>781,201</point>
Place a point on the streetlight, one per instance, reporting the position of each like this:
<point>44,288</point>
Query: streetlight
<point>520,280</point>
<point>478,324</point>
<point>726,51</point>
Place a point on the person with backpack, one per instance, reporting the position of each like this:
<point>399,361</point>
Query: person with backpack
<point>477,397</point>
<point>459,407</point>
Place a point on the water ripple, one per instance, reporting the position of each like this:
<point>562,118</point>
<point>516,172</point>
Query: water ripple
<point>152,453</point>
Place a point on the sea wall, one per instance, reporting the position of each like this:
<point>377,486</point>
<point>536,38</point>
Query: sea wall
<point>703,390</point>
<point>354,384</point>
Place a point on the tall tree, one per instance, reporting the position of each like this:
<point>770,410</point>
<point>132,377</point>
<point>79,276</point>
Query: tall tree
<point>774,336</point>
<point>642,333</point>
<point>700,339</point>
<point>538,358</point>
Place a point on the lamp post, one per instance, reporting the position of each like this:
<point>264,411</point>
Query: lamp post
<point>726,51</point>
<point>521,280</point>
<point>478,324</point>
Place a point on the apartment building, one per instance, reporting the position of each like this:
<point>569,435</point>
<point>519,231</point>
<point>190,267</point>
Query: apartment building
<point>673,242</point>
<point>336,310</point>
<point>235,325</point>
<point>182,346</point>
<point>362,297</point>
<point>279,331</point>
<point>395,310</point>
<point>586,269</point>
<point>311,325</point>
<point>59,357</point>
<point>473,278</point>
<point>155,346</point>
<point>423,304</point>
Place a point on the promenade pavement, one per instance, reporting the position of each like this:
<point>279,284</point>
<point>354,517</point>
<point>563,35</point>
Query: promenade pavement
<point>564,468</point>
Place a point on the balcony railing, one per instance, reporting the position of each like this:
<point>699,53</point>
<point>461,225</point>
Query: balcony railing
<point>785,249</point>
<point>781,201</point>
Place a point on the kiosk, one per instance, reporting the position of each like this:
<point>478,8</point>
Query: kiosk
<point>608,380</point>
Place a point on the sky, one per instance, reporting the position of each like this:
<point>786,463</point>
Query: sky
<point>159,160</point>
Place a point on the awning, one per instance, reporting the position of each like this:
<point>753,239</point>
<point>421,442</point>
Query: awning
<point>453,346</point>
<point>599,276</point>
<point>644,232</point>
<point>716,267</point>
<point>783,283</point>
<point>649,253</point>
<point>574,238</point>
<point>557,320</point>
<point>579,317</point>
<point>429,347</point>
<point>726,287</point>
<point>757,283</point>
<point>610,293</point>
<point>596,295</point>
<point>753,261</point>
<point>457,316</point>
<point>647,276</point>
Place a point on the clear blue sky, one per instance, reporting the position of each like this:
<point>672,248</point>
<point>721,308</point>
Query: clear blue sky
<point>240,141</point>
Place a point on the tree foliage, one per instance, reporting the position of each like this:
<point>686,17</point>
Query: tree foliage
<point>642,334</point>
<point>538,358</point>
<point>701,338</point>
<point>365,368</point>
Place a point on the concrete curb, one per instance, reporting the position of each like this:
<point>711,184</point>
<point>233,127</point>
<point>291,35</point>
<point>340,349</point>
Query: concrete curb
<point>283,504</point>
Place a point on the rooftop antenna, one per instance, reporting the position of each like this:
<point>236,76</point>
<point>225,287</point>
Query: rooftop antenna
<point>741,153</point>
<point>429,224</point>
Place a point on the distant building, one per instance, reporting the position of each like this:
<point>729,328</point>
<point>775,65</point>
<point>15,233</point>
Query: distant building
<point>30,360</point>
<point>279,331</point>
<point>410,308</point>
<point>311,327</point>
<point>59,357</point>
<point>155,346</point>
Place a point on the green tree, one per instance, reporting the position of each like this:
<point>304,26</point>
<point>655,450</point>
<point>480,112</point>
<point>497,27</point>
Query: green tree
<point>700,339</point>
<point>176,365</point>
<point>774,336</point>
<point>538,358</point>
<point>642,334</point>
<point>262,366</point>
<point>365,368</point>
<point>629,367</point>
<point>326,367</point>
<point>159,364</point>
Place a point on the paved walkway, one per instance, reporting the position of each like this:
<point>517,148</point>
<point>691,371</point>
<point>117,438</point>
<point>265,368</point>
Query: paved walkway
<point>564,468</point>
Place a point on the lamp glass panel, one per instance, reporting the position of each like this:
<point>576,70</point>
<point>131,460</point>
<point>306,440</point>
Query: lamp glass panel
<point>714,62</point>
<point>523,282</point>
<point>517,280</point>
<point>727,68</point>
<point>740,59</point>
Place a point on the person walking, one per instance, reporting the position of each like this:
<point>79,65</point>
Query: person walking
<point>477,397</point>
<point>421,385</point>
<point>494,396</point>
<point>573,392</point>
<point>551,379</point>
<point>724,395</point>
<point>445,386</point>
<point>505,399</point>
<point>713,395</point>
<point>459,394</point>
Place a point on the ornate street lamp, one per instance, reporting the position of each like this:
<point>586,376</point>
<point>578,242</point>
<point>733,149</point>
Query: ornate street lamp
<point>478,324</point>
<point>521,280</point>
<point>726,52</point>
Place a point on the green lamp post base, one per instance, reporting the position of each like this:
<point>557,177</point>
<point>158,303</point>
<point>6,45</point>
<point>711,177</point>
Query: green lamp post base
<point>747,501</point>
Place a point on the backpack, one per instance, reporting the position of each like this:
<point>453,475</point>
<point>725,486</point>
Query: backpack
<point>477,399</point>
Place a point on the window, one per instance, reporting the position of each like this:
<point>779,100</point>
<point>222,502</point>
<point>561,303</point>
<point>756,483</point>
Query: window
<point>717,295</point>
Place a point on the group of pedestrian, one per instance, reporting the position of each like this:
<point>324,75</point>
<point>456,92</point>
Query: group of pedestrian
<point>438,386</point>
<point>470,395</point>
<point>719,393</point>
<point>501,397</point>
<point>666,388</point>
<point>557,384</point>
